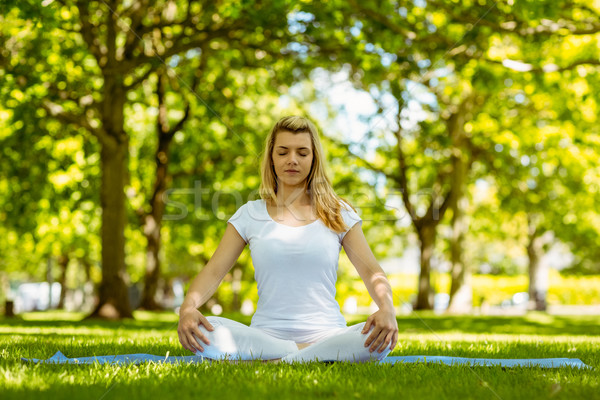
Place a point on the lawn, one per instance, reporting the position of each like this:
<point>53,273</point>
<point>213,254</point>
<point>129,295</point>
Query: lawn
<point>535,335</point>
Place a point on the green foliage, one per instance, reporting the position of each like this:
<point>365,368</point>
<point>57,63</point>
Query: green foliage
<point>532,134</point>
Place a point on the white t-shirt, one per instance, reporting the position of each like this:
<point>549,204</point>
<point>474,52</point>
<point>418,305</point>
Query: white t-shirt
<point>295,270</point>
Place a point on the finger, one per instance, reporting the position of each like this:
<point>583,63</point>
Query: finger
<point>194,343</point>
<point>207,325</point>
<point>182,338</point>
<point>394,341</point>
<point>374,334</point>
<point>199,338</point>
<point>377,342</point>
<point>386,341</point>
<point>185,342</point>
<point>368,325</point>
<point>193,348</point>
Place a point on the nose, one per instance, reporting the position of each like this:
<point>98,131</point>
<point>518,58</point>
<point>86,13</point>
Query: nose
<point>293,159</point>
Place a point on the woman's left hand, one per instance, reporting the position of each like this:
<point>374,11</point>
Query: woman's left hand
<point>385,330</point>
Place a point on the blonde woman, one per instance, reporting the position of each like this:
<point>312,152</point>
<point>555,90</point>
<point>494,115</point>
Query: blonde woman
<point>295,233</point>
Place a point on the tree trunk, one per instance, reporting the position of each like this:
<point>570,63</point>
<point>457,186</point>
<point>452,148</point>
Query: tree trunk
<point>152,227</point>
<point>9,304</point>
<point>461,294</point>
<point>538,278</point>
<point>152,275</point>
<point>50,280</point>
<point>426,225</point>
<point>63,262</point>
<point>153,221</point>
<point>538,271</point>
<point>87,268</point>
<point>461,291</point>
<point>113,294</point>
<point>425,296</point>
<point>85,264</point>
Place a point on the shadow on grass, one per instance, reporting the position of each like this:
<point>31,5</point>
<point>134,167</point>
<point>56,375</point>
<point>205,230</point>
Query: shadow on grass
<point>530,324</point>
<point>128,324</point>
<point>147,321</point>
<point>423,322</point>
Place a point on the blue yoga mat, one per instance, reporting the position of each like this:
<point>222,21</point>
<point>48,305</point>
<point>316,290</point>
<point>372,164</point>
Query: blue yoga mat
<point>60,358</point>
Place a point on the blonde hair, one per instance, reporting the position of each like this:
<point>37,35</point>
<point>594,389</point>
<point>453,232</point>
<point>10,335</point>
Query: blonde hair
<point>326,202</point>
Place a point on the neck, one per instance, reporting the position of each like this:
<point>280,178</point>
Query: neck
<point>288,196</point>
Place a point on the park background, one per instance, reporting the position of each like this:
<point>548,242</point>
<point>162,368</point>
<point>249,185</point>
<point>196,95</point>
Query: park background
<point>465,133</point>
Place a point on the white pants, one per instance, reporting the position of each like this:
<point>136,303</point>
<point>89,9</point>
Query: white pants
<point>233,340</point>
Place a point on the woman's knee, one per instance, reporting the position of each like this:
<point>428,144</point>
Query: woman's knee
<point>217,322</point>
<point>359,328</point>
<point>231,339</point>
<point>214,321</point>
<point>219,329</point>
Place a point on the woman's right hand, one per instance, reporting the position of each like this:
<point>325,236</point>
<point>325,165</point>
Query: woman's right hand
<point>189,320</point>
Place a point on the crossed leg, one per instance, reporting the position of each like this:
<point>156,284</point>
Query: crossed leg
<point>347,345</point>
<point>235,341</point>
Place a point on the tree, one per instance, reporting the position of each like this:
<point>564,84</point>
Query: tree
<point>152,221</point>
<point>442,49</point>
<point>391,51</point>
<point>119,44</point>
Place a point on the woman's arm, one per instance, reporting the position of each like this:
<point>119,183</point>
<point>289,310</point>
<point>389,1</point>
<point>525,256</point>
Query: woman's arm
<point>204,286</point>
<point>386,327</point>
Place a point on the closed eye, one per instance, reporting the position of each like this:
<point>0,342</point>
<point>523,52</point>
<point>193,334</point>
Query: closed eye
<point>300,154</point>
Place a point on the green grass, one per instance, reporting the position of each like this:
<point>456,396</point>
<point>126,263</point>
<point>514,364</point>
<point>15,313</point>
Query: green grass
<point>532,336</point>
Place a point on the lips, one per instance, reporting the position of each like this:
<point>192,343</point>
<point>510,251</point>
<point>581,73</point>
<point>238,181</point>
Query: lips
<point>291,170</point>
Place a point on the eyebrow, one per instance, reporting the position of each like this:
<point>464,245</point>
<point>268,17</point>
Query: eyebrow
<point>300,148</point>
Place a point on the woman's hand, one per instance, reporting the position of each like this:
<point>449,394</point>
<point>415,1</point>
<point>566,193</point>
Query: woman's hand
<point>189,320</point>
<point>385,331</point>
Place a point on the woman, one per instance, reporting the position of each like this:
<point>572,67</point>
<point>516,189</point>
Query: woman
<point>295,233</point>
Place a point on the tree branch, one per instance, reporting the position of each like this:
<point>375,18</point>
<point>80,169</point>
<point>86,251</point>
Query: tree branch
<point>197,41</point>
<point>136,12</point>
<point>401,178</point>
<point>445,204</point>
<point>410,32</point>
<point>511,24</point>
<point>142,78</point>
<point>383,20</point>
<point>111,38</point>
<point>179,125</point>
<point>182,42</point>
<point>526,67</point>
<point>57,111</point>
<point>87,30</point>
<point>195,80</point>
<point>433,213</point>
<point>162,122</point>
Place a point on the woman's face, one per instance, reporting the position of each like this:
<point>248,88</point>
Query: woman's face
<point>292,157</point>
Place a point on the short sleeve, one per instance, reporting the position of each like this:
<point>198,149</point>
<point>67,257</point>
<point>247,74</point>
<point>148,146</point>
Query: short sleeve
<point>350,217</point>
<point>240,221</point>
